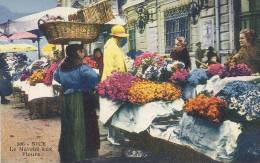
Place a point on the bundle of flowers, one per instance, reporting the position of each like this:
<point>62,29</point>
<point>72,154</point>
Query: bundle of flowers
<point>49,73</point>
<point>198,76</point>
<point>37,77</point>
<point>116,86</point>
<point>180,76</point>
<point>236,70</point>
<point>145,58</point>
<point>25,75</point>
<point>236,88</point>
<point>247,104</point>
<point>152,73</point>
<point>90,62</point>
<point>215,69</point>
<point>210,108</point>
<point>142,92</point>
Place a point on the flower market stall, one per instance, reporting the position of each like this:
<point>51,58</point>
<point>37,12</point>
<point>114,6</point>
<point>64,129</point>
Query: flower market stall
<point>196,109</point>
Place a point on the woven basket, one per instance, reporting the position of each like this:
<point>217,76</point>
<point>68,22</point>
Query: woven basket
<point>60,32</point>
<point>98,13</point>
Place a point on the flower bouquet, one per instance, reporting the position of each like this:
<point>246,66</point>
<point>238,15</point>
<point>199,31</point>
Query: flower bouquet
<point>236,70</point>
<point>37,77</point>
<point>145,60</point>
<point>180,76</point>
<point>247,105</point>
<point>90,62</point>
<point>198,76</point>
<point>215,69</point>
<point>142,92</point>
<point>25,75</point>
<point>116,86</point>
<point>210,108</point>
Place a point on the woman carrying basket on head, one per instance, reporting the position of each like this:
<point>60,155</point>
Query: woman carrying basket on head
<point>79,126</point>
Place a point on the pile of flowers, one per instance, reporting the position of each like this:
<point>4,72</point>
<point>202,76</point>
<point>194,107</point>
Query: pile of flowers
<point>180,76</point>
<point>198,76</point>
<point>144,59</point>
<point>152,73</point>
<point>25,75</point>
<point>247,105</point>
<point>228,71</point>
<point>90,62</point>
<point>49,73</point>
<point>210,108</point>
<point>236,88</point>
<point>143,92</point>
<point>36,77</point>
<point>116,86</point>
<point>215,69</point>
<point>236,70</point>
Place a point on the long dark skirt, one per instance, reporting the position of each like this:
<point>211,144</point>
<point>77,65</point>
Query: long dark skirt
<point>91,122</point>
<point>79,128</point>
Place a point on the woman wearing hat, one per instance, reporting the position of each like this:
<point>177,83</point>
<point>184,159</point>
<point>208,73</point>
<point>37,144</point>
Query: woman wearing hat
<point>113,54</point>
<point>181,53</point>
<point>79,137</point>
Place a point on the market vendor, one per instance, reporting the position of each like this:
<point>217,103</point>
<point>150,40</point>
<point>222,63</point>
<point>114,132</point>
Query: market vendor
<point>5,80</point>
<point>113,54</point>
<point>180,52</point>
<point>79,126</point>
<point>98,57</point>
<point>248,53</point>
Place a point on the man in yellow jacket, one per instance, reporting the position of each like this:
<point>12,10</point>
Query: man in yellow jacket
<point>113,54</point>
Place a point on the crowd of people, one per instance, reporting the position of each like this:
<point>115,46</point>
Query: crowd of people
<point>79,137</point>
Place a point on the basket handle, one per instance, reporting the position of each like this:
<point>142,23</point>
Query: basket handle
<point>40,22</point>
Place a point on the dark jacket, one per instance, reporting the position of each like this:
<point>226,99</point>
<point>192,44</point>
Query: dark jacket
<point>5,79</point>
<point>182,56</point>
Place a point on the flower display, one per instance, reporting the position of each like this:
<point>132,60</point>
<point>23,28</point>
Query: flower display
<point>236,88</point>
<point>90,62</point>
<point>37,77</point>
<point>180,75</point>
<point>215,69</point>
<point>152,73</point>
<point>25,75</point>
<point>147,59</point>
<point>116,86</point>
<point>236,70</point>
<point>147,91</point>
<point>210,108</point>
<point>49,73</point>
<point>198,76</point>
<point>247,104</point>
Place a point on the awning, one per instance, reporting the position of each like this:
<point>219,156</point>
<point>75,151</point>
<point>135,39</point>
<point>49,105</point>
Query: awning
<point>30,22</point>
<point>16,48</point>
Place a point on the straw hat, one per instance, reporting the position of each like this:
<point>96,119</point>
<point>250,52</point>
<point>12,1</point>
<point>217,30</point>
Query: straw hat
<point>118,31</point>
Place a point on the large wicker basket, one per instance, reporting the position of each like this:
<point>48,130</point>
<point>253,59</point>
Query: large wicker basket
<point>60,32</point>
<point>99,13</point>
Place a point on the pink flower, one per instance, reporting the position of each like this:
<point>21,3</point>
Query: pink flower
<point>116,86</point>
<point>215,69</point>
<point>181,75</point>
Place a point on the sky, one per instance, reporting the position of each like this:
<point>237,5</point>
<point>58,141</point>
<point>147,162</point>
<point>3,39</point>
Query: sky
<point>28,6</point>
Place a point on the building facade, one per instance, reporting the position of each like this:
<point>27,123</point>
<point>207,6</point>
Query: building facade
<point>154,24</point>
